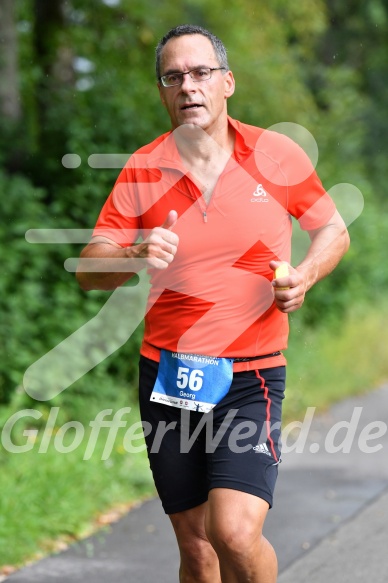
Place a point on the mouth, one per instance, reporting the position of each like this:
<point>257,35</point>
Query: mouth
<point>189,106</point>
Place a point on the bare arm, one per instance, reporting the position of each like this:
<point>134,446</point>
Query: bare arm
<point>104,265</point>
<point>328,245</point>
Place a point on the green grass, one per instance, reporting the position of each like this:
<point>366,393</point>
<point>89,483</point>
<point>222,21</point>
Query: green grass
<point>345,358</point>
<point>51,497</point>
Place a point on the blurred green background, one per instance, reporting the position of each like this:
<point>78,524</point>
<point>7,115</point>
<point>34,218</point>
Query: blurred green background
<point>78,77</point>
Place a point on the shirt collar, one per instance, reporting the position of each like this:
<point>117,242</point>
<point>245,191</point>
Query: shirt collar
<point>166,154</point>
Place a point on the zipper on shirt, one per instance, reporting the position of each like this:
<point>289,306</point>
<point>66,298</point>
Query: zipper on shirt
<point>202,209</point>
<point>201,205</point>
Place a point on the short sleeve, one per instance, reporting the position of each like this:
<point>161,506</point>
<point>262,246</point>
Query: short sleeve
<point>286,165</point>
<point>118,219</point>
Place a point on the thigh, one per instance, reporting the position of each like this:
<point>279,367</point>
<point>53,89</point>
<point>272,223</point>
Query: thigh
<point>248,453</point>
<point>232,513</point>
<point>180,477</point>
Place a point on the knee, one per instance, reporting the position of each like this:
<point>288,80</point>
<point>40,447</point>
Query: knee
<point>235,539</point>
<point>197,558</point>
<point>199,561</point>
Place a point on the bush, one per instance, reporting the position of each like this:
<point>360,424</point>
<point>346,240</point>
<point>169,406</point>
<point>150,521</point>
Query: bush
<point>42,304</point>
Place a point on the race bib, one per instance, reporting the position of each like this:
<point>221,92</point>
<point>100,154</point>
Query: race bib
<point>192,381</point>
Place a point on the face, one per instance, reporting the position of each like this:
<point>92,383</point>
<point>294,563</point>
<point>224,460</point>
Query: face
<point>202,103</point>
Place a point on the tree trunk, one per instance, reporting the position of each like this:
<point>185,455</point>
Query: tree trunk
<point>54,57</point>
<point>9,77</point>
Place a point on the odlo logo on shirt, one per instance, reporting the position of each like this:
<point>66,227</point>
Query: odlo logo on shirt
<point>260,194</point>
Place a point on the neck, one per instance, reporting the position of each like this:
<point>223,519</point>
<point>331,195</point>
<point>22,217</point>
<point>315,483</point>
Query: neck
<point>196,145</point>
<point>203,156</point>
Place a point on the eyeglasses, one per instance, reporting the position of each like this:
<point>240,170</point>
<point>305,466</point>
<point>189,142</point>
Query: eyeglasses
<point>202,74</point>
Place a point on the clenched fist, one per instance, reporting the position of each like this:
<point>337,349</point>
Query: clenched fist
<point>159,248</point>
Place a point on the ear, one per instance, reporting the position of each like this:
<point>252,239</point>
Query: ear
<point>229,84</point>
<point>160,87</point>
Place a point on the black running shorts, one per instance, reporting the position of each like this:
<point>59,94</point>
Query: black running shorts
<point>234,446</point>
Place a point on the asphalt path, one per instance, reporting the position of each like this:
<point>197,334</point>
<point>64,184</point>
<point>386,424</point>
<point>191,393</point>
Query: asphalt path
<point>328,522</point>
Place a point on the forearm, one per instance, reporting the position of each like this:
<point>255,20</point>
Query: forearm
<point>328,246</point>
<point>103,266</point>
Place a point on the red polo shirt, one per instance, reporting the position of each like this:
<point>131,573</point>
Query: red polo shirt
<point>216,297</point>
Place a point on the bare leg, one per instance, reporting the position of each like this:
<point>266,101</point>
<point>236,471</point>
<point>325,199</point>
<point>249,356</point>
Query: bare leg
<point>199,562</point>
<point>234,523</point>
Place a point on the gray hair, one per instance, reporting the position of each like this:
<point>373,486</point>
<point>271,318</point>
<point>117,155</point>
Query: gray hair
<point>189,29</point>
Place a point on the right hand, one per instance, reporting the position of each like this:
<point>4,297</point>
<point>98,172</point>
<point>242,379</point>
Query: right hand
<point>159,248</point>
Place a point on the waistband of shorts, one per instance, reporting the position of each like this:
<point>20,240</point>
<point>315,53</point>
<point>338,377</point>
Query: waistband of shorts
<point>241,364</point>
<point>249,358</point>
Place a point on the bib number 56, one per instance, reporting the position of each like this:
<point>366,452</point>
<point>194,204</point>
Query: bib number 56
<point>193,379</point>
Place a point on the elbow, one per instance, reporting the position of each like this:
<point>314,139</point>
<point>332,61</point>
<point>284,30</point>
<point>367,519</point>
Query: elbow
<point>84,277</point>
<point>92,282</point>
<point>346,238</point>
<point>83,282</point>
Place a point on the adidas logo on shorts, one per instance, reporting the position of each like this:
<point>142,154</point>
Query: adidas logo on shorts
<point>262,448</point>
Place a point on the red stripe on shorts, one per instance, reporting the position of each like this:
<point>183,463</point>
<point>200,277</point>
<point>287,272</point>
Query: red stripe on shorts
<point>268,414</point>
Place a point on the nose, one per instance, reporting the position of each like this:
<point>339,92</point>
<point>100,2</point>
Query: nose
<point>187,83</point>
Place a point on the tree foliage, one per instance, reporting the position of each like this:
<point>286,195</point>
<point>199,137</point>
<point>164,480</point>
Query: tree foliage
<point>84,73</point>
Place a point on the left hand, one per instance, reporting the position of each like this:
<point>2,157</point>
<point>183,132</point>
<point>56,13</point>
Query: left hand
<point>289,300</point>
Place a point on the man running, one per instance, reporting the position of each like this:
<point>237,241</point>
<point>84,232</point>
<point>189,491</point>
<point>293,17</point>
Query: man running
<point>212,202</point>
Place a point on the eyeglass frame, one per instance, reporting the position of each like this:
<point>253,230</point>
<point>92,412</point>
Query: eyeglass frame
<point>211,69</point>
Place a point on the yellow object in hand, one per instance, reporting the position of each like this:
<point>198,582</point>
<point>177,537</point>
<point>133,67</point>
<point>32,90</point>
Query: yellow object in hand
<point>282,271</point>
